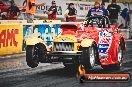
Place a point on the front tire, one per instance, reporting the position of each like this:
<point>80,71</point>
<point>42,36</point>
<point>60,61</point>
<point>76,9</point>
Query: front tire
<point>31,57</point>
<point>42,53</point>
<point>88,57</point>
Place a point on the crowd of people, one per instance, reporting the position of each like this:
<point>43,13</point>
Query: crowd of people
<point>69,15</point>
<point>113,10</point>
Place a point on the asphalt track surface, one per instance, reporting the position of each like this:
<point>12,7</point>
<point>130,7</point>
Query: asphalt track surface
<point>15,73</point>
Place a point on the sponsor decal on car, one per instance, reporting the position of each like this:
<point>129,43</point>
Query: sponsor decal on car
<point>105,40</point>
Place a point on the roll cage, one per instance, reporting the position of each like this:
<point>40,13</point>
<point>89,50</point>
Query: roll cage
<point>100,21</point>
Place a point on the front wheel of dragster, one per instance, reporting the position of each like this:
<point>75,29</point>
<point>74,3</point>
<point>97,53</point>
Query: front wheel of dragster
<point>31,56</point>
<point>42,53</point>
<point>88,57</point>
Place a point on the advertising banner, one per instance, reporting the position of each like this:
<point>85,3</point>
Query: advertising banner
<point>10,39</point>
<point>82,7</point>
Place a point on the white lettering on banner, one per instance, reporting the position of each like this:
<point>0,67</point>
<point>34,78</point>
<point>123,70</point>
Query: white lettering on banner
<point>43,7</point>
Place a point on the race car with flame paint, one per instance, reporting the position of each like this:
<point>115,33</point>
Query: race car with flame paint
<point>95,42</point>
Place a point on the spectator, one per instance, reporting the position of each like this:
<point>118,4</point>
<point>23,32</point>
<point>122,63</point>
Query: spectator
<point>30,9</point>
<point>113,9</point>
<point>103,9</point>
<point>126,17</point>
<point>13,11</point>
<point>52,11</point>
<point>97,11</point>
<point>70,13</point>
<point>59,11</point>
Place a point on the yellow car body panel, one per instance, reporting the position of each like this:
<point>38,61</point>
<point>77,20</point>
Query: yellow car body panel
<point>87,42</point>
<point>32,41</point>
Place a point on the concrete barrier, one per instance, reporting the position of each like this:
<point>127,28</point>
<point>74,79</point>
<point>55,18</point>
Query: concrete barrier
<point>13,21</point>
<point>46,21</point>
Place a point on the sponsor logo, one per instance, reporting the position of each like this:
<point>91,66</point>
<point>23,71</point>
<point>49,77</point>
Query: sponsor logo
<point>105,39</point>
<point>103,47</point>
<point>8,38</point>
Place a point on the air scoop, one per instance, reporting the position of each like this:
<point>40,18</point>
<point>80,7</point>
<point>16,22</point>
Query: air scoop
<point>70,28</point>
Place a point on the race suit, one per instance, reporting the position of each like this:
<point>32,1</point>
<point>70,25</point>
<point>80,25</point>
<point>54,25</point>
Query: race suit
<point>97,12</point>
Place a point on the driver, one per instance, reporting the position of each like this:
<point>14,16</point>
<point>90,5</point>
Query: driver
<point>96,11</point>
